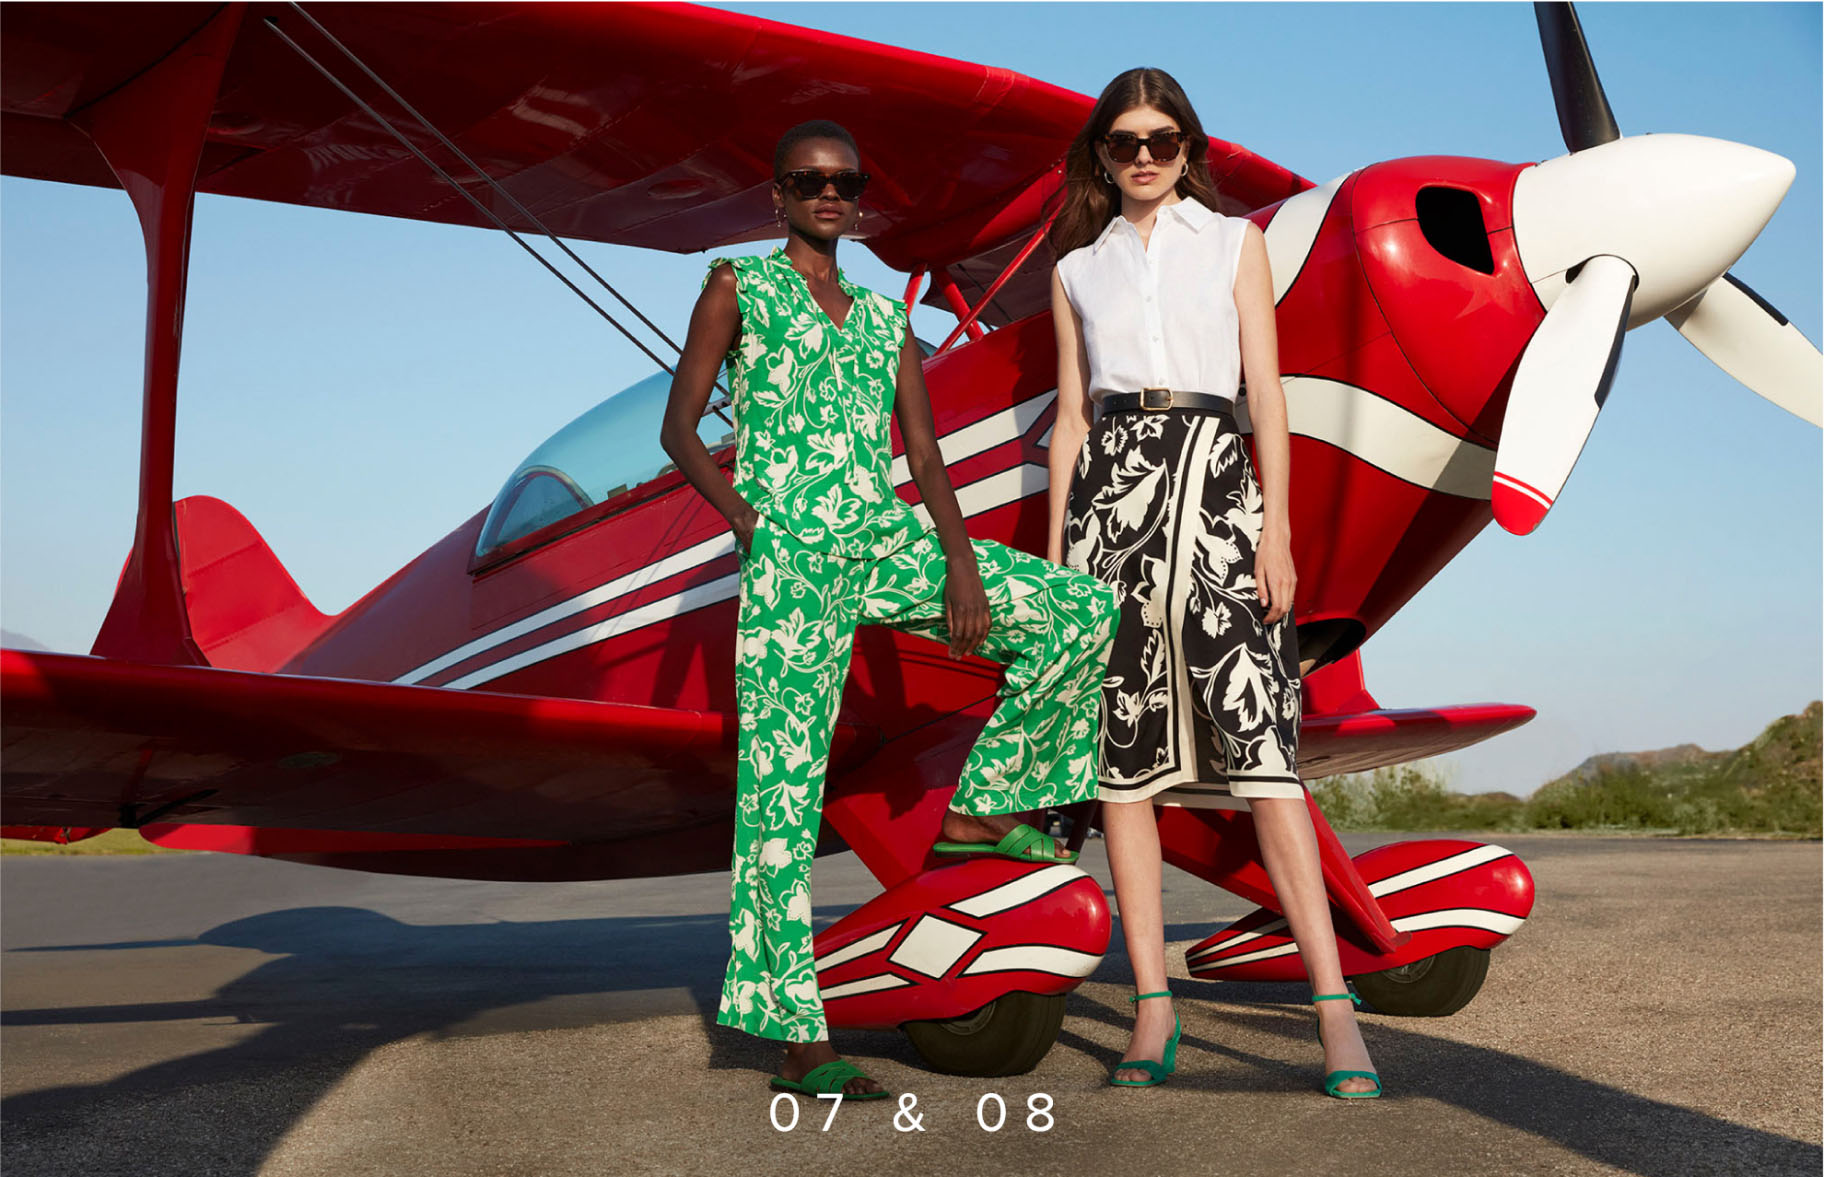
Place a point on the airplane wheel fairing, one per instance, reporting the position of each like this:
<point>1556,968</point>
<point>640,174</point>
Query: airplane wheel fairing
<point>1008,1036</point>
<point>952,941</point>
<point>1432,987</point>
<point>1438,894</point>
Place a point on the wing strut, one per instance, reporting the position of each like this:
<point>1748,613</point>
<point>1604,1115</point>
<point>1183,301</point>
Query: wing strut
<point>994,288</point>
<point>150,131</point>
<point>485,177</point>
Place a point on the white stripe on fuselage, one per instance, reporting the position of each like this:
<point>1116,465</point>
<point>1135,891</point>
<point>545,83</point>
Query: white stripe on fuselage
<point>1353,419</point>
<point>1293,231</point>
<point>972,439</point>
<point>1384,435</point>
<point>979,497</point>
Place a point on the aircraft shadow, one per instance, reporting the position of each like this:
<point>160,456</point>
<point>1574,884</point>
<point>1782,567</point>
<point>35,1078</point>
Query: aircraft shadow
<point>346,981</point>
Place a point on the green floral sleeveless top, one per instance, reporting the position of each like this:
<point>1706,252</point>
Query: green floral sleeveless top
<point>813,407</point>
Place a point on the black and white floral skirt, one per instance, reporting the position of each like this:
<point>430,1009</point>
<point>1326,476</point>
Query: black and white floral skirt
<point>1202,696</point>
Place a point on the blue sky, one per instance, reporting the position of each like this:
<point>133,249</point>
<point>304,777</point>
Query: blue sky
<point>358,386</point>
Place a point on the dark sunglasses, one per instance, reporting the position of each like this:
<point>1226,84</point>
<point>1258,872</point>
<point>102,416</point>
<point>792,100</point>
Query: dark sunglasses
<point>809,183</point>
<point>1163,146</point>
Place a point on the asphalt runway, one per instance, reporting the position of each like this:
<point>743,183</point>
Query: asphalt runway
<point>204,1015</point>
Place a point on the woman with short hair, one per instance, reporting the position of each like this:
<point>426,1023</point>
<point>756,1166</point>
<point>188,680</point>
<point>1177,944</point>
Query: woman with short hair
<point>818,366</point>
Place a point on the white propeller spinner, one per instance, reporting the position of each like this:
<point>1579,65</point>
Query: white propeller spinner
<point>1680,209</point>
<point>1619,234</point>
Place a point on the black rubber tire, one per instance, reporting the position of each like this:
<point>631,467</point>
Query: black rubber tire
<point>1433,987</point>
<point>1005,1037</point>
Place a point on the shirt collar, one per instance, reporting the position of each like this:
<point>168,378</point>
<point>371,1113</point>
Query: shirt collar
<point>1191,211</point>
<point>1113,223</point>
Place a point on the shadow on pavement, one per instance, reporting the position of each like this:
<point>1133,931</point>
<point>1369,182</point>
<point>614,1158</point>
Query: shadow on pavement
<point>345,981</point>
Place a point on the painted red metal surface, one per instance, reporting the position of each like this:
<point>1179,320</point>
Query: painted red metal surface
<point>1219,846</point>
<point>1439,894</point>
<point>150,132</point>
<point>127,743</point>
<point>946,942</point>
<point>60,835</point>
<point>987,299</point>
<point>603,743</point>
<point>641,124</point>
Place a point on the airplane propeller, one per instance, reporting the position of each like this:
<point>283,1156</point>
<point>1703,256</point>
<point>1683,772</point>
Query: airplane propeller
<point>1658,221</point>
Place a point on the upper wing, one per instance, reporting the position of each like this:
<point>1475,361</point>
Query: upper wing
<point>93,742</point>
<point>642,124</point>
<point>648,125</point>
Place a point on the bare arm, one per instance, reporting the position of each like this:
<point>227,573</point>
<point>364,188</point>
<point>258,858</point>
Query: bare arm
<point>1073,419</point>
<point>1276,579</point>
<point>714,324</point>
<point>965,601</point>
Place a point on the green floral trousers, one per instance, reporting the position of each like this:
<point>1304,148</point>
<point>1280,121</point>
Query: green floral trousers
<point>1050,626</point>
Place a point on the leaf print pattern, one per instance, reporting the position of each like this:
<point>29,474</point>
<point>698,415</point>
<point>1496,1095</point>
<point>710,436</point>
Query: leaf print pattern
<point>1052,629</point>
<point>813,410</point>
<point>1201,696</point>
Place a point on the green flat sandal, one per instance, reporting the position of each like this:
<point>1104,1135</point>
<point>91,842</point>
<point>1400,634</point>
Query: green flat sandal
<point>1022,843</point>
<point>1335,1079</point>
<point>828,1079</point>
<point>1156,1071</point>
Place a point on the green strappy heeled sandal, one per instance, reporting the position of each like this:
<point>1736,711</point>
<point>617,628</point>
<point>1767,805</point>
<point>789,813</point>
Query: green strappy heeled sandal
<point>1156,1071</point>
<point>1335,1079</point>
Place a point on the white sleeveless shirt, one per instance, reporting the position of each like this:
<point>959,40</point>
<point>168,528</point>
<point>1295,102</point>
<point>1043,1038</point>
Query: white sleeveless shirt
<point>1160,315</point>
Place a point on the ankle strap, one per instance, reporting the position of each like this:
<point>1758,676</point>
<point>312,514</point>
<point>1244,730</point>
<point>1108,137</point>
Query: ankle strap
<point>1316,997</point>
<point>1144,996</point>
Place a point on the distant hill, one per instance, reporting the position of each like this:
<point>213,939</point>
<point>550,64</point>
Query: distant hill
<point>1774,784</point>
<point>1684,756</point>
<point>1787,745</point>
<point>18,641</point>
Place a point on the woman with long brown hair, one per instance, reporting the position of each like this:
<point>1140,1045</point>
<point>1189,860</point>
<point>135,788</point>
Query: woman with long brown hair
<point>1161,303</point>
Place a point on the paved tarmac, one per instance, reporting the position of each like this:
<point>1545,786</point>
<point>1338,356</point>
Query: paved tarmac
<point>204,1015</point>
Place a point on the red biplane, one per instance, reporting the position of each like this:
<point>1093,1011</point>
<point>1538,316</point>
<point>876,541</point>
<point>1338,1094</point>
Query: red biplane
<point>546,692</point>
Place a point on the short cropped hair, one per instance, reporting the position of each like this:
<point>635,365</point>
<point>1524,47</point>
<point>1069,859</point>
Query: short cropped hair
<point>814,129</point>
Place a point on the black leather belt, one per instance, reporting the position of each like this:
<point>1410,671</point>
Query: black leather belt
<point>1158,400</point>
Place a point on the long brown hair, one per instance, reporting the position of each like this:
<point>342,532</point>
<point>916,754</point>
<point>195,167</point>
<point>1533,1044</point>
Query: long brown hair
<point>1090,198</point>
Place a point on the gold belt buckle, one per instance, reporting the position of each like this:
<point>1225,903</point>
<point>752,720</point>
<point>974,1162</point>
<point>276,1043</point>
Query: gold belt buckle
<point>1147,403</point>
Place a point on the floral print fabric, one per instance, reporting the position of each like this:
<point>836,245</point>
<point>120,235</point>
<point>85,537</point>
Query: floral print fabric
<point>1051,628</point>
<point>813,408</point>
<point>1201,696</point>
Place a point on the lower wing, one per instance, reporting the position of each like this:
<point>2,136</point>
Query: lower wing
<point>1329,745</point>
<point>93,743</point>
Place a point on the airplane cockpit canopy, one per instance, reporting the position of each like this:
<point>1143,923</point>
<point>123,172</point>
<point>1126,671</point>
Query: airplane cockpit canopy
<point>607,451</point>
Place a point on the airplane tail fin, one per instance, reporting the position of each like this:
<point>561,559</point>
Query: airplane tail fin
<point>246,612</point>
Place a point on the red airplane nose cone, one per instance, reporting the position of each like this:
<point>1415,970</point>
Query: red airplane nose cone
<point>1517,510</point>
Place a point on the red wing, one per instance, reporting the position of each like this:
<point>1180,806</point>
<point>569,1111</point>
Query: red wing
<point>641,124</point>
<point>91,742</point>
<point>1332,744</point>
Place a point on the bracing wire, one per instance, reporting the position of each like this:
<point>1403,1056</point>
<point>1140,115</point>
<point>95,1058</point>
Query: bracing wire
<point>329,76</point>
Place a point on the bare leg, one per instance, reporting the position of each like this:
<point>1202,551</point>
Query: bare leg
<point>1288,848</point>
<point>1132,832</point>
